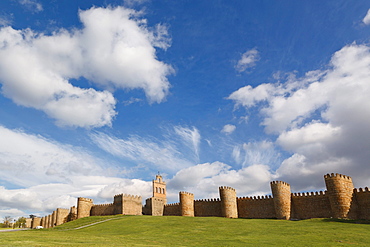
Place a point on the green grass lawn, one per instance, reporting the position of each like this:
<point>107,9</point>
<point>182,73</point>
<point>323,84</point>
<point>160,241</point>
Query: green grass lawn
<point>198,231</point>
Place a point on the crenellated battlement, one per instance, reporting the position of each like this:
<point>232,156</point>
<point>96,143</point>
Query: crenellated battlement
<point>279,183</point>
<point>255,198</point>
<point>309,194</point>
<point>102,205</point>
<point>337,175</point>
<point>83,199</point>
<point>339,200</point>
<point>208,200</point>
<point>128,196</point>
<point>361,190</point>
<point>226,188</point>
<point>186,193</point>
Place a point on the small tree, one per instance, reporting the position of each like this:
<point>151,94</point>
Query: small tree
<point>7,221</point>
<point>21,222</point>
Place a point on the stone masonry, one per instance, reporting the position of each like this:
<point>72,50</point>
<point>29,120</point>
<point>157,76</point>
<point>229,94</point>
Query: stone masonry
<point>340,200</point>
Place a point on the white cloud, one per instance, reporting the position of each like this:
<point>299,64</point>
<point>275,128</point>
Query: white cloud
<point>366,19</point>
<point>52,175</point>
<point>11,212</point>
<point>115,49</point>
<point>204,179</point>
<point>191,137</point>
<point>128,186</point>
<point>134,2</point>
<point>167,154</point>
<point>248,96</point>
<point>248,60</point>
<point>32,5</point>
<point>228,129</point>
<point>252,153</point>
<point>29,159</point>
<point>5,20</point>
<point>323,118</point>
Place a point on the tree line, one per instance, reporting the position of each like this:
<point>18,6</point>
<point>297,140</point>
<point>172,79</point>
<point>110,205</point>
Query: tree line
<point>9,222</point>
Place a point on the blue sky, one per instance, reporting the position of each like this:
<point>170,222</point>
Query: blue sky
<point>98,96</point>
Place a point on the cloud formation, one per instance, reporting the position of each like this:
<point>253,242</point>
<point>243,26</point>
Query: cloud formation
<point>32,5</point>
<point>49,175</point>
<point>366,19</point>
<point>114,49</point>
<point>204,179</point>
<point>248,60</point>
<point>178,149</point>
<point>28,160</point>
<point>321,118</point>
<point>228,129</point>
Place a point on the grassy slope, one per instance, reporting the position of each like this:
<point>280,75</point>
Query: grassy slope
<point>185,231</point>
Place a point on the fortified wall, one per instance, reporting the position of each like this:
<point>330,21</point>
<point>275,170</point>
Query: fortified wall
<point>339,200</point>
<point>122,204</point>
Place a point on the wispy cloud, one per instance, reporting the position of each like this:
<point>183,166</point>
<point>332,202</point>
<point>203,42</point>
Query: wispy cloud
<point>32,5</point>
<point>191,138</point>
<point>253,153</point>
<point>50,175</point>
<point>5,20</point>
<point>248,60</point>
<point>163,154</point>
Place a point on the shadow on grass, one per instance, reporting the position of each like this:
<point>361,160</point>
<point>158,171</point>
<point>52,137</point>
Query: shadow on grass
<point>347,221</point>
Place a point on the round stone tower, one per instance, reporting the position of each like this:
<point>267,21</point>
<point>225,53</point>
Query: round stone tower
<point>83,207</point>
<point>282,199</point>
<point>340,190</point>
<point>186,203</point>
<point>229,207</point>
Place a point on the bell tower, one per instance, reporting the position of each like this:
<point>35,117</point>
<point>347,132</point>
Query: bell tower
<point>159,188</point>
<point>155,205</point>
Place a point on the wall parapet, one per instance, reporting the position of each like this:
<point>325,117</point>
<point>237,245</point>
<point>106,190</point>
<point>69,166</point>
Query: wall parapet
<point>226,188</point>
<point>309,194</point>
<point>128,196</point>
<point>208,200</point>
<point>337,175</point>
<point>102,205</point>
<point>267,197</point>
<point>280,182</point>
<point>358,190</point>
<point>186,193</point>
<point>85,199</point>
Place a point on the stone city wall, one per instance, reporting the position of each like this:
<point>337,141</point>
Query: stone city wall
<point>154,206</point>
<point>256,207</point>
<point>131,205</point>
<point>102,209</point>
<point>340,200</point>
<point>310,205</point>
<point>173,209</point>
<point>362,198</point>
<point>207,207</point>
